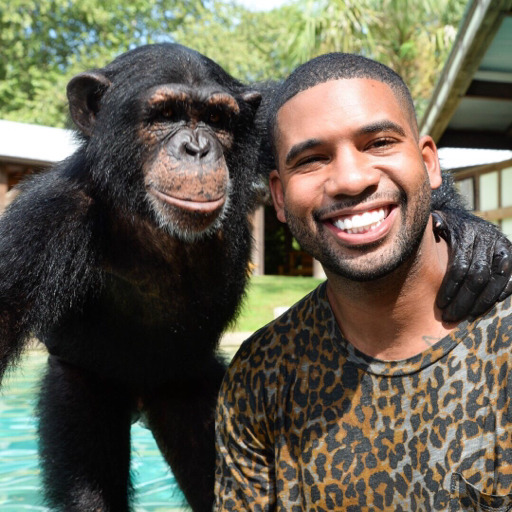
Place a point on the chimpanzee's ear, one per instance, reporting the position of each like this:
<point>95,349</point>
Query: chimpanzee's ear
<point>253,98</point>
<point>84,94</point>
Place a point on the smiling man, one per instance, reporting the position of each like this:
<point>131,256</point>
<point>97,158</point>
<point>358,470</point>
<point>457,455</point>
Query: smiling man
<point>360,397</point>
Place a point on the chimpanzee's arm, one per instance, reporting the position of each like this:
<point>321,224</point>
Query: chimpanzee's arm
<point>46,262</point>
<point>19,248</point>
<point>480,266</point>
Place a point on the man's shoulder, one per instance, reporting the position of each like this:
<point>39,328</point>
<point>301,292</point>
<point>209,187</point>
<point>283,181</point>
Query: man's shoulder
<point>279,338</point>
<point>501,311</point>
<point>493,330</point>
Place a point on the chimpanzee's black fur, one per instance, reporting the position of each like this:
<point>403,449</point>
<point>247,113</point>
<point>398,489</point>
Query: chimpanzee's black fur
<point>130,308</point>
<point>130,314</point>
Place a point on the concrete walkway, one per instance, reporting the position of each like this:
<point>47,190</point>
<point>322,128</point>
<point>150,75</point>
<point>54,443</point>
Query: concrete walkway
<point>230,342</point>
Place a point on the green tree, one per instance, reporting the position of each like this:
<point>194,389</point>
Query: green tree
<point>413,37</point>
<point>252,46</point>
<point>44,42</point>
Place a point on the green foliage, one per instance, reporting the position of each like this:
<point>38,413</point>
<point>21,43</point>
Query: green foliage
<point>413,37</point>
<point>241,41</point>
<point>43,43</point>
<point>322,26</point>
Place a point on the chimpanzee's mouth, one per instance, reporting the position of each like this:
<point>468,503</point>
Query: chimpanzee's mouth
<point>198,205</point>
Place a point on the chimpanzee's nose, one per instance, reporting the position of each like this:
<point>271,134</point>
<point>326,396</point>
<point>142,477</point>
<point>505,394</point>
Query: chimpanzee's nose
<point>197,146</point>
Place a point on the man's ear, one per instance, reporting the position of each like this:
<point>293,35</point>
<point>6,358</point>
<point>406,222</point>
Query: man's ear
<point>276,189</point>
<point>84,94</point>
<point>428,150</point>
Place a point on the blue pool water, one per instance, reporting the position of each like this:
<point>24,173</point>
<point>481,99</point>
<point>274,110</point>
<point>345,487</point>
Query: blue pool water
<point>156,489</point>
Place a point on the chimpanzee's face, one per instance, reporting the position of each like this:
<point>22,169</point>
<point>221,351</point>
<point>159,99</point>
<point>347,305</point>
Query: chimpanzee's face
<point>187,133</point>
<point>166,122</point>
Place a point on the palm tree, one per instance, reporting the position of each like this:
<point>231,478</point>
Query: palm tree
<point>413,37</point>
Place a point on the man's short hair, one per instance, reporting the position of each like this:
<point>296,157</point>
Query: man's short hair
<point>335,66</point>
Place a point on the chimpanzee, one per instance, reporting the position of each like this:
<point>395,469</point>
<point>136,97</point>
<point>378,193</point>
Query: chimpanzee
<point>129,259</point>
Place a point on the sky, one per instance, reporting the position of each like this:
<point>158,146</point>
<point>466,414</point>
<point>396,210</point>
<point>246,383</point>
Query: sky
<point>261,5</point>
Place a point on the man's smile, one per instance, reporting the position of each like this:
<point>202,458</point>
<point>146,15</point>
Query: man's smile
<point>361,223</point>
<point>362,227</point>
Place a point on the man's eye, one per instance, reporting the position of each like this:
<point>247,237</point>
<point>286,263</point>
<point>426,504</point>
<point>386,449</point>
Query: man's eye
<point>381,143</point>
<point>310,159</point>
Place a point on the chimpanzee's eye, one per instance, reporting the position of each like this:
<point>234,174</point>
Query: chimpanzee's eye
<point>214,117</point>
<point>167,112</point>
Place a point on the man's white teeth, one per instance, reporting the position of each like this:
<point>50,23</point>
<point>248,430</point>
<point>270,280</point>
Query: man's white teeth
<point>361,223</point>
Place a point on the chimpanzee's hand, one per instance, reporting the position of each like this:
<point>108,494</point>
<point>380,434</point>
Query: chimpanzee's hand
<point>480,266</point>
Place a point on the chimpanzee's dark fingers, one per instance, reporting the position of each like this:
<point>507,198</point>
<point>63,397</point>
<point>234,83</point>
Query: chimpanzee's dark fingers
<point>506,291</point>
<point>501,270</point>
<point>503,251</point>
<point>440,227</point>
<point>500,282</point>
<point>488,278</point>
<point>461,251</point>
<point>475,282</point>
<point>488,297</point>
<point>479,268</point>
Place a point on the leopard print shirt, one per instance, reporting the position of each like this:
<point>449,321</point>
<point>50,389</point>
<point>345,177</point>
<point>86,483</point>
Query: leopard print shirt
<point>305,422</point>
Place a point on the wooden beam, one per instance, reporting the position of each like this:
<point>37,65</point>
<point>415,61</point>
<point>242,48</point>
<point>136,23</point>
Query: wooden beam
<point>490,90</point>
<point>498,214</point>
<point>466,172</point>
<point>476,33</point>
<point>475,139</point>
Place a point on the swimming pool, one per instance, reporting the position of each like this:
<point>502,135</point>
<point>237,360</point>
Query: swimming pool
<point>156,489</point>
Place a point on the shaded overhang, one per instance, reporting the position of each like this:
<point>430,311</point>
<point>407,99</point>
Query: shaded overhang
<point>472,103</point>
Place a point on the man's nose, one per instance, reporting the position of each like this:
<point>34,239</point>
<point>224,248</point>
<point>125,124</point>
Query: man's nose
<point>351,174</point>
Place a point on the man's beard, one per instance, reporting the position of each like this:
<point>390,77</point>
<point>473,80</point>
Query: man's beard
<point>405,245</point>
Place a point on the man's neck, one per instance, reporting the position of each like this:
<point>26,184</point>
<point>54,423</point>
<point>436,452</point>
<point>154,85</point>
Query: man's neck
<point>394,317</point>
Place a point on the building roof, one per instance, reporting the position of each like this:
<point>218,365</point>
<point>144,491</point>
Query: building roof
<point>461,158</point>
<point>472,103</point>
<point>34,145</point>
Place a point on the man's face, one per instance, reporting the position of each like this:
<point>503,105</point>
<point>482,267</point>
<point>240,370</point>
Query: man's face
<point>353,180</point>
